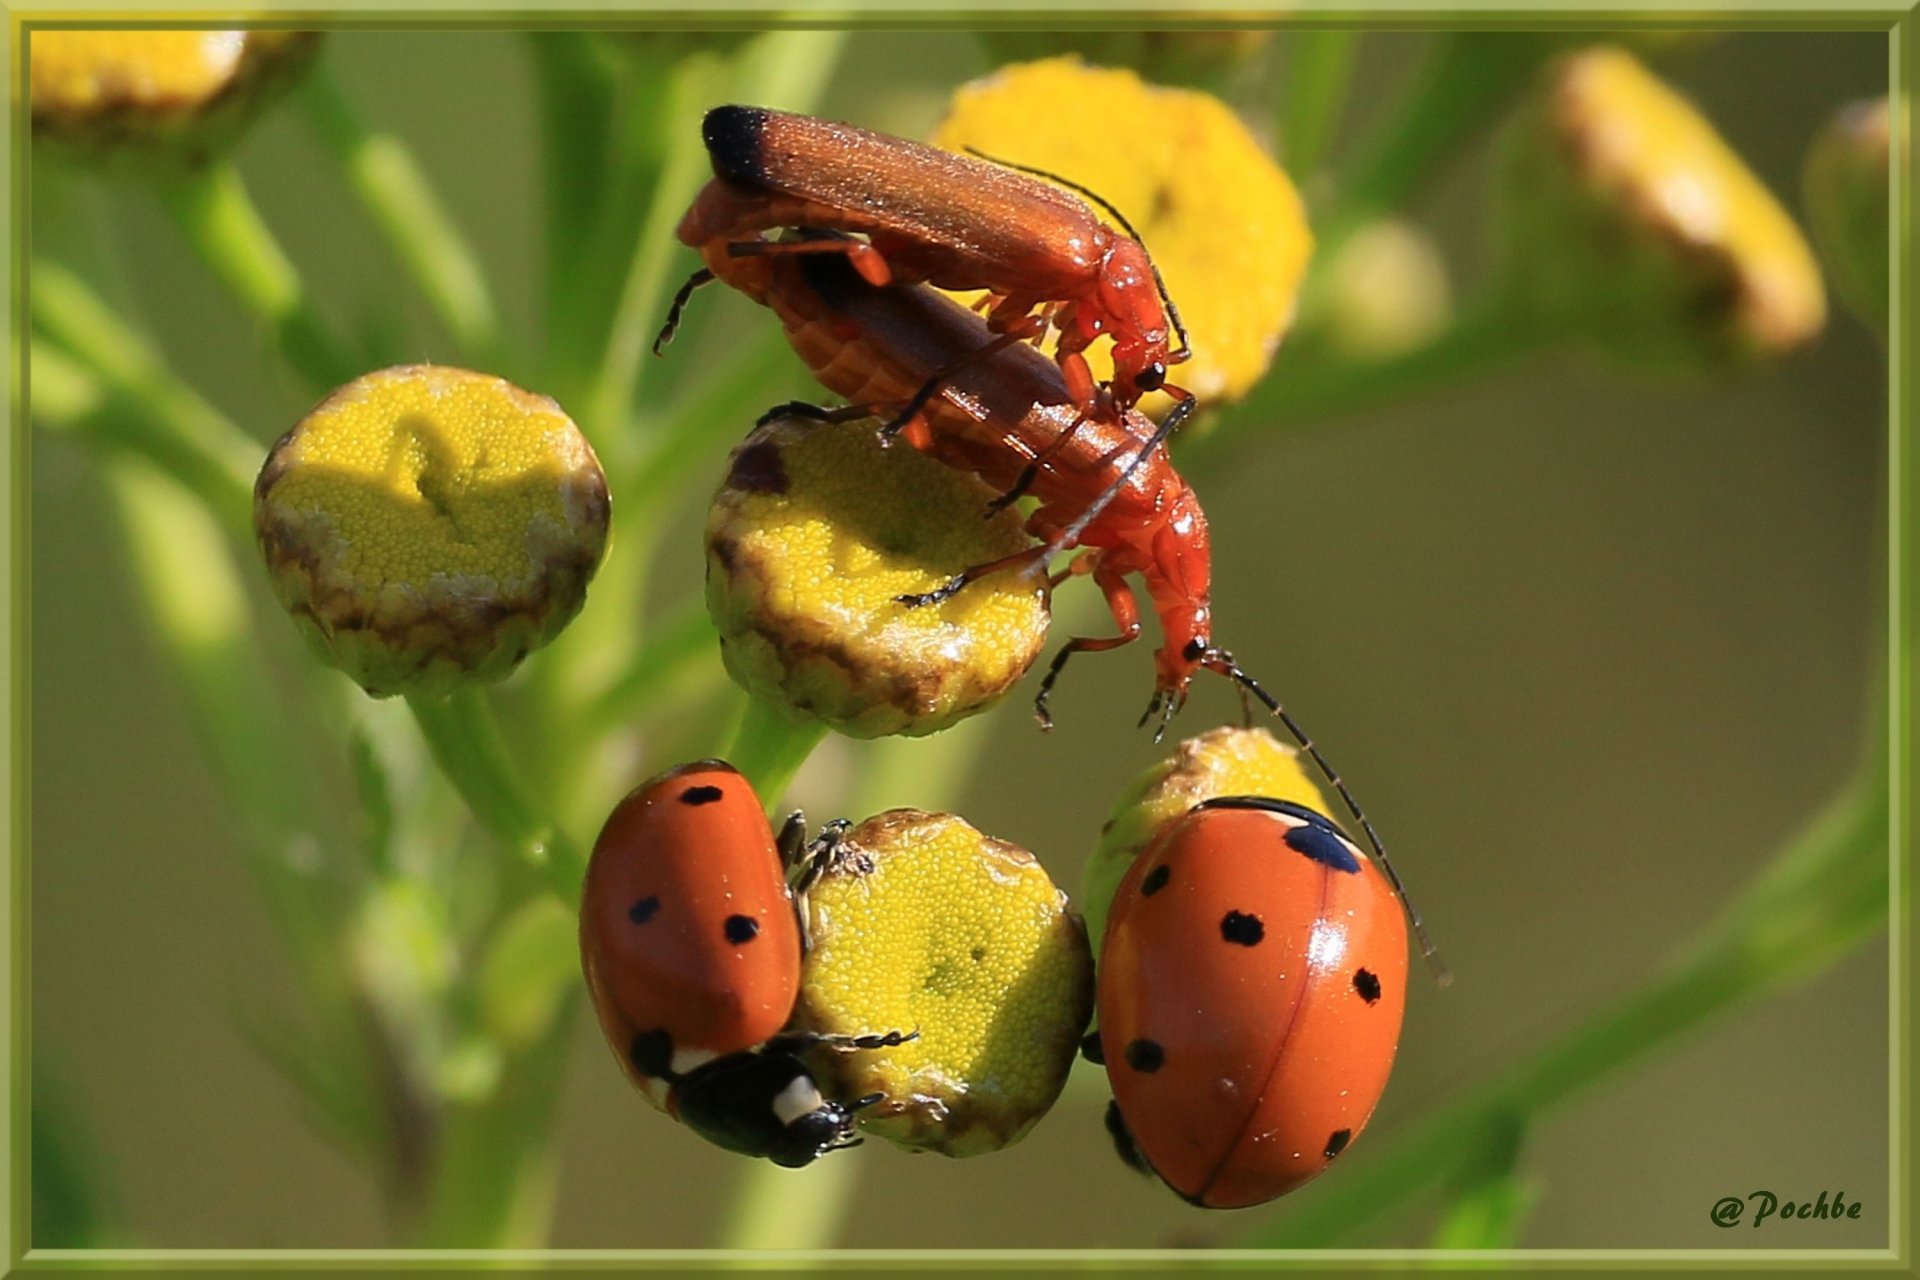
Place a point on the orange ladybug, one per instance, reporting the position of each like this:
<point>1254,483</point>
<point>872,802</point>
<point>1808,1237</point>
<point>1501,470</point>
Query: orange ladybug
<point>692,943</point>
<point>1252,981</point>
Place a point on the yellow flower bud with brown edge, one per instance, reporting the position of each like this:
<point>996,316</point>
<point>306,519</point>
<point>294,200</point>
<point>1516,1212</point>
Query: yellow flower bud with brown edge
<point>1847,177</point>
<point>428,526</point>
<point>1628,218</point>
<point>1221,220</point>
<point>921,923</point>
<point>157,90</point>
<point>813,537</point>
<point>1220,762</point>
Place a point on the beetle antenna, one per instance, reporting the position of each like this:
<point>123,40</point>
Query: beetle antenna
<point>1166,300</point>
<point>1221,661</point>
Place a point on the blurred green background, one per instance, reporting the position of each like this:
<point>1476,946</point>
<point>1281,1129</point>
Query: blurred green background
<point>1589,646</point>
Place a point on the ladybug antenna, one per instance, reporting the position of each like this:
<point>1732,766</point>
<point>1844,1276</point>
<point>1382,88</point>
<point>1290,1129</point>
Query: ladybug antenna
<point>1221,661</point>
<point>1173,313</point>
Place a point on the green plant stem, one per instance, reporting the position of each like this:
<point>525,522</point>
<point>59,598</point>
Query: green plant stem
<point>466,742</point>
<point>672,651</point>
<point>1319,69</point>
<point>138,403</point>
<point>494,1173</point>
<point>1486,336</point>
<point>388,181</point>
<point>785,1209</point>
<point>197,607</point>
<point>643,294</point>
<point>1491,1197</point>
<point>769,746</point>
<point>783,69</point>
<point>722,408</point>
<point>576,93</point>
<point>219,219</point>
<point>1818,899</point>
<point>1466,81</point>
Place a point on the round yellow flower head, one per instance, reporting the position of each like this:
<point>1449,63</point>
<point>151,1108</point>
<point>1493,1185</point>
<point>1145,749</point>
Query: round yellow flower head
<point>427,526</point>
<point>1848,170</point>
<point>1220,762</point>
<point>1224,225</point>
<point>1628,213</point>
<point>816,532</point>
<point>101,88</point>
<point>923,924</point>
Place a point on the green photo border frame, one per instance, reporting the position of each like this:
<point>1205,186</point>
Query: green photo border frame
<point>1896,18</point>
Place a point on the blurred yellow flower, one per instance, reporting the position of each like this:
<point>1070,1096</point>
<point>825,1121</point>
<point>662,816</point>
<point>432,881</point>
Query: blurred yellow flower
<point>1626,209</point>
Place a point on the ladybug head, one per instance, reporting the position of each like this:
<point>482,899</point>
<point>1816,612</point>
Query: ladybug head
<point>811,1134</point>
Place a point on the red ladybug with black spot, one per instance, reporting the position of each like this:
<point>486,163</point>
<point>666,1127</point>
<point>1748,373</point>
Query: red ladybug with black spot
<point>1252,981</point>
<point>692,942</point>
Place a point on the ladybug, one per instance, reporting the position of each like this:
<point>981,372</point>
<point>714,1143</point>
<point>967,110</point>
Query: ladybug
<point>1252,980</point>
<point>692,941</point>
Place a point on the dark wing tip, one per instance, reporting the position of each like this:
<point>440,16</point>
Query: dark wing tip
<point>733,136</point>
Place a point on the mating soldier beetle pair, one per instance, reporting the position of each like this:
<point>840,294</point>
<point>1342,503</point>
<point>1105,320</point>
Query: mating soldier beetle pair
<point>967,390</point>
<point>871,222</point>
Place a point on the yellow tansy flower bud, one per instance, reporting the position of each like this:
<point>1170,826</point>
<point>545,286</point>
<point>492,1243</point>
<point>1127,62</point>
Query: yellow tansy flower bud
<point>1846,188</point>
<point>816,532</point>
<point>1629,217</point>
<point>1224,224</point>
<point>100,88</point>
<point>427,526</point>
<point>1220,762</point>
<point>923,924</point>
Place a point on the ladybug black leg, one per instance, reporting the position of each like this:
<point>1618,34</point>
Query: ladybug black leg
<point>826,852</point>
<point>797,1041</point>
<point>792,840</point>
<point>1090,1049</point>
<point>694,281</point>
<point>1123,1143</point>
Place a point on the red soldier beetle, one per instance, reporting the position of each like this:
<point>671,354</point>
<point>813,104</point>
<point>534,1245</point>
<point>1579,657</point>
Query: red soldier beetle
<point>927,215</point>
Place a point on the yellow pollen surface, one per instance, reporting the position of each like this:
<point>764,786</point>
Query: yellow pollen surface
<point>428,472</point>
<point>1222,221</point>
<point>817,531</point>
<point>966,940</point>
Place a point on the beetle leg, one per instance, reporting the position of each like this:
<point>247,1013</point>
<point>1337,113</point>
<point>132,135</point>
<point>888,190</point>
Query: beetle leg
<point>814,412</point>
<point>954,585</point>
<point>1031,472</point>
<point>1125,611</point>
<point>867,260</point>
<point>679,305</point>
<point>931,386</point>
